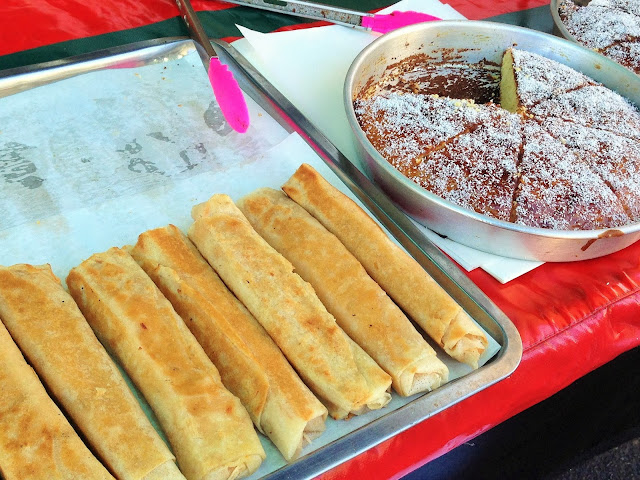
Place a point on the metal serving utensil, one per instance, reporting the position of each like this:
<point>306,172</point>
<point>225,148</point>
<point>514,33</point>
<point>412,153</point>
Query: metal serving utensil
<point>340,16</point>
<point>225,87</point>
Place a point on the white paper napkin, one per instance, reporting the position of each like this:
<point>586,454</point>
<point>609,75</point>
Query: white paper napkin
<point>309,67</point>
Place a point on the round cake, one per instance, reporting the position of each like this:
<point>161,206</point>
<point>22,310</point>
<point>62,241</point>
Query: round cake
<point>541,145</point>
<point>610,27</point>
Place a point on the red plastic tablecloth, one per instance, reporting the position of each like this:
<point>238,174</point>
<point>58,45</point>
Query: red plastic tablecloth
<point>572,317</point>
<point>30,24</point>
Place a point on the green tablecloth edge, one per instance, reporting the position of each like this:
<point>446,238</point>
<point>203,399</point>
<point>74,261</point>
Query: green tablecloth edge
<point>221,24</point>
<point>217,24</point>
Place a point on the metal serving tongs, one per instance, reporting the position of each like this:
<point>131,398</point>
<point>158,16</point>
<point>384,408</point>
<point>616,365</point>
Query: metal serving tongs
<point>341,16</point>
<point>225,87</point>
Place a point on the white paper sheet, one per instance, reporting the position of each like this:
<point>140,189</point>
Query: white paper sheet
<point>309,67</point>
<point>120,151</point>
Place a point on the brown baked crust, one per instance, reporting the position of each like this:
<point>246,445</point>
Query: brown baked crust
<point>404,280</point>
<point>361,308</point>
<point>210,431</point>
<point>37,441</point>
<point>336,369</point>
<point>251,365</point>
<point>58,342</point>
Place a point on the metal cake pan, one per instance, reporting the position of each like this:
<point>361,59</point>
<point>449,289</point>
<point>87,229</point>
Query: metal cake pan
<point>558,26</point>
<point>473,41</point>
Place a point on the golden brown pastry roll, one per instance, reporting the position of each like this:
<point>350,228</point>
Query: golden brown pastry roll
<point>210,431</point>
<point>361,308</point>
<point>46,323</point>
<point>251,365</point>
<point>343,376</point>
<point>36,440</point>
<point>396,272</point>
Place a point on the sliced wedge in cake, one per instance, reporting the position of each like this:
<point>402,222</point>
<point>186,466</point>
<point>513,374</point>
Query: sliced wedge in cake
<point>405,126</point>
<point>529,78</point>
<point>477,170</point>
<point>614,158</point>
<point>593,106</point>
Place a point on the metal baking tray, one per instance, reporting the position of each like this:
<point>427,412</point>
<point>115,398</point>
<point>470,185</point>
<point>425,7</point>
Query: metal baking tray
<point>475,302</point>
<point>471,42</point>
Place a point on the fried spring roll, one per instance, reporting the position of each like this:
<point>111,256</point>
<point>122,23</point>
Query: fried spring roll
<point>361,308</point>
<point>392,268</point>
<point>210,431</point>
<point>252,367</point>
<point>46,323</point>
<point>343,376</point>
<point>36,440</point>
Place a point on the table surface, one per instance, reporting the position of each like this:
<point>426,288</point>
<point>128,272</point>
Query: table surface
<point>572,317</point>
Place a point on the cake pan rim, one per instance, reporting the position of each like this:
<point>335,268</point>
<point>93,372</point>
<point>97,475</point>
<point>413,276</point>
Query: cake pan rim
<point>554,5</point>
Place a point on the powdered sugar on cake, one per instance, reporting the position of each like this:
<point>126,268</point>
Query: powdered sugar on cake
<point>570,159</point>
<point>558,190</point>
<point>611,27</point>
<point>402,126</point>
<point>629,6</point>
<point>598,27</point>
<point>614,158</point>
<point>539,78</point>
<point>593,106</point>
<point>477,170</point>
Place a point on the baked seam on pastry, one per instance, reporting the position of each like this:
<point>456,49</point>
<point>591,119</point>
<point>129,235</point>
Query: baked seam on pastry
<point>361,308</point>
<point>404,280</point>
<point>50,330</point>
<point>210,431</point>
<point>251,365</point>
<point>336,369</point>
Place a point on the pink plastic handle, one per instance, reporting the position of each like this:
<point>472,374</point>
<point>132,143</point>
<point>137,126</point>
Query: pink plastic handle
<point>387,23</point>
<point>229,96</point>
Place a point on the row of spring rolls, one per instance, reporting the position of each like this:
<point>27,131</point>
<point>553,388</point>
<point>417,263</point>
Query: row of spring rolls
<point>36,439</point>
<point>201,343</point>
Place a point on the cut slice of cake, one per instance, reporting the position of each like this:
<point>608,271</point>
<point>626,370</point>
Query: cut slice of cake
<point>575,165</point>
<point>404,126</point>
<point>529,78</point>
<point>593,106</point>
<point>558,190</point>
<point>614,158</point>
<point>477,170</point>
